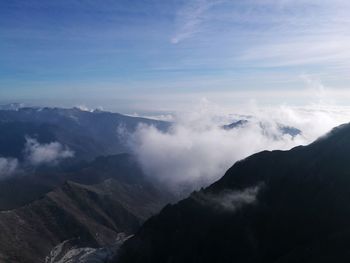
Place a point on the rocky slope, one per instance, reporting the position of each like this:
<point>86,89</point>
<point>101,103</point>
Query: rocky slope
<point>90,203</point>
<point>19,190</point>
<point>93,215</point>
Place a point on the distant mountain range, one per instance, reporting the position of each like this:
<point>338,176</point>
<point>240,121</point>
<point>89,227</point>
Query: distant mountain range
<point>283,129</point>
<point>88,134</point>
<point>274,206</point>
<point>12,106</point>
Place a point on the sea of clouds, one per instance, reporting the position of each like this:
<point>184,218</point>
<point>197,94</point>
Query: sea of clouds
<point>197,150</point>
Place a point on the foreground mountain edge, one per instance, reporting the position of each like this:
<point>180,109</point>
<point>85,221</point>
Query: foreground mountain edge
<point>274,206</point>
<point>84,203</point>
<point>68,190</point>
<point>94,205</point>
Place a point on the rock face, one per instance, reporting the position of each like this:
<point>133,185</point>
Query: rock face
<point>70,251</point>
<point>98,201</point>
<point>77,209</point>
<point>279,206</point>
<point>92,214</point>
<point>19,190</point>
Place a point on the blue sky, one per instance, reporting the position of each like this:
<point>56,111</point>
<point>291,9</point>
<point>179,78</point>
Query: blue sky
<point>162,54</point>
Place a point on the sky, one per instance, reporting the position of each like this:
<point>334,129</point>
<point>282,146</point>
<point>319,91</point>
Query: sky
<point>160,55</point>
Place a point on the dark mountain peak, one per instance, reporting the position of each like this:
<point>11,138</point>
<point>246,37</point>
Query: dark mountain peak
<point>236,124</point>
<point>274,206</point>
<point>337,134</point>
<point>68,184</point>
<point>292,131</point>
<point>330,150</point>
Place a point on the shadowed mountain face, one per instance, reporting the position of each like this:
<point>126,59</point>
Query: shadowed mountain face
<point>78,208</point>
<point>19,190</point>
<point>109,196</point>
<point>279,206</point>
<point>73,211</point>
<point>88,134</point>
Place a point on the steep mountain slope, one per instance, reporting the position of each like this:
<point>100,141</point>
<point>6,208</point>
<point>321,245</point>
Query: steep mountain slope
<point>79,208</point>
<point>73,211</point>
<point>92,215</point>
<point>279,206</point>
<point>19,190</point>
<point>88,134</point>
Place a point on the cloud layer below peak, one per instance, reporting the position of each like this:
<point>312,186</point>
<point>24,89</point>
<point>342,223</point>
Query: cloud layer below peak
<point>34,154</point>
<point>197,150</point>
<point>50,153</point>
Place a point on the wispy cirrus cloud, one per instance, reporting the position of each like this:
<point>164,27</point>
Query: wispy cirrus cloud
<point>190,18</point>
<point>300,51</point>
<point>265,34</point>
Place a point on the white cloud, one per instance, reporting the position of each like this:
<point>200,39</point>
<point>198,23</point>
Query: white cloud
<point>197,151</point>
<point>50,153</point>
<point>258,35</point>
<point>297,33</point>
<point>8,166</point>
<point>190,17</point>
<point>229,200</point>
<point>301,51</point>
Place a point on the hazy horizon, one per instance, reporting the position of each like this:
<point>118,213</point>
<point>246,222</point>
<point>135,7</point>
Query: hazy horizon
<point>142,131</point>
<point>139,56</point>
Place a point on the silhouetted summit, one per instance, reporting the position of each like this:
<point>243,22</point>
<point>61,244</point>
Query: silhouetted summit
<point>278,206</point>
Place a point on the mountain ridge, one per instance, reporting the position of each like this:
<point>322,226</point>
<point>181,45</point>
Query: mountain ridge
<point>88,134</point>
<point>300,205</point>
<point>94,215</point>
